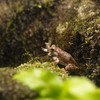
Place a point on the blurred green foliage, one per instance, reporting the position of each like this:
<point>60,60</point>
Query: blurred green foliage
<point>12,89</point>
<point>50,87</point>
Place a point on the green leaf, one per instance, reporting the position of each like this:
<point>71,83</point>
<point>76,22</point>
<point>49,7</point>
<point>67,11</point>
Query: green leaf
<point>44,82</point>
<point>50,87</point>
<point>80,88</point>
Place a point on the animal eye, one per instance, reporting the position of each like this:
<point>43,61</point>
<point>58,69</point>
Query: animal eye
<point>52,50</point>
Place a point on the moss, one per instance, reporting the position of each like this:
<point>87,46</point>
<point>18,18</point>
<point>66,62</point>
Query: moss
<point>45,65</point>
<point>27,25</point>
<point>22,29</point>
<point>84,44</point>
<point>11,89</point>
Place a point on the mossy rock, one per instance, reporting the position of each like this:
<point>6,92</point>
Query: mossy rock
<point>45,66</point>
<point>11,89</point>
<point>22,27</point>
<point>73,26</point>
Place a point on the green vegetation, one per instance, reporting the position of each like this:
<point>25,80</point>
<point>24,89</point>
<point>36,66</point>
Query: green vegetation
<point>11,89</point>
<point>50,87</point>
<point>25,26</point>
<point>45,65</point>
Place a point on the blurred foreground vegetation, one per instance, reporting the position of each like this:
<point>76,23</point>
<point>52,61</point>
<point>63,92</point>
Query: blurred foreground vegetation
<point>50,87</point>
<point>44,81</point>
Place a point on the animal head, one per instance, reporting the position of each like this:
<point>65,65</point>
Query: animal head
<point>49,49</point>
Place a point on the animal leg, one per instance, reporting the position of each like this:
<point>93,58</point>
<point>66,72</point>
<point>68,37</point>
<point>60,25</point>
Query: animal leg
<point>56,60</point>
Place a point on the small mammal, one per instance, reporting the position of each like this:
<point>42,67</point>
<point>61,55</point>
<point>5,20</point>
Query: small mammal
<point>62,57</point>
